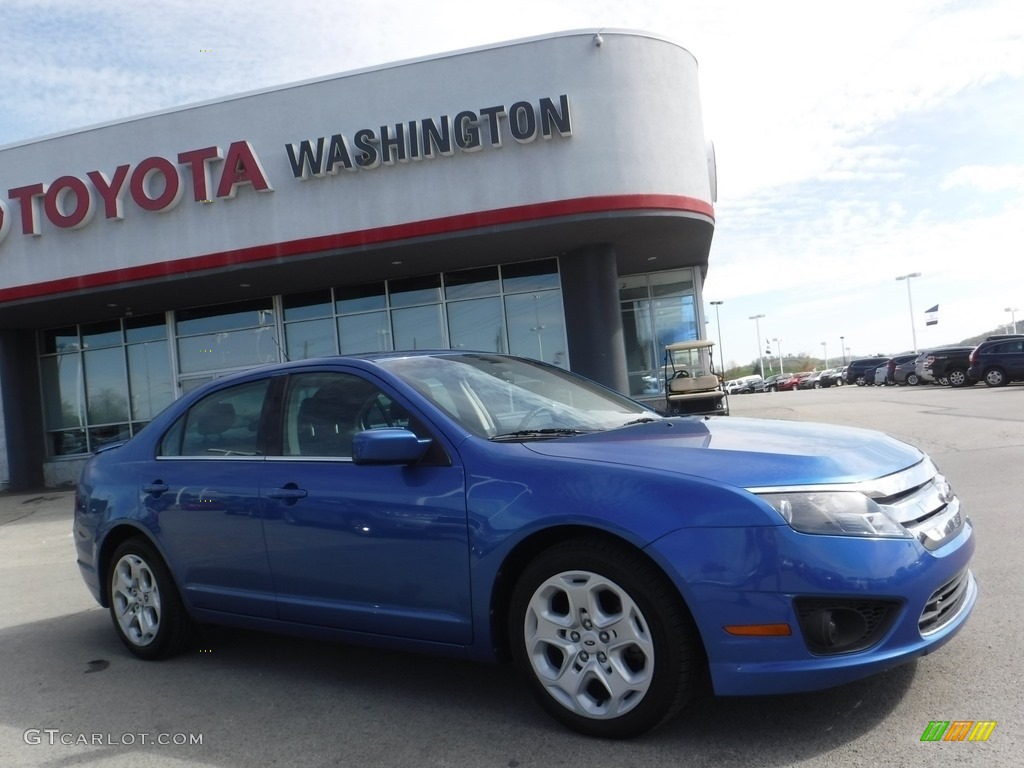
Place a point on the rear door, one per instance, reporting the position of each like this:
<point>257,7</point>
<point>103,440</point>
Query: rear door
<point>202,492</point>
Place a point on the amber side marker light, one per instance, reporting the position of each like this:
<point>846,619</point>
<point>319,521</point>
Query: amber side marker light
<point>759,630</point>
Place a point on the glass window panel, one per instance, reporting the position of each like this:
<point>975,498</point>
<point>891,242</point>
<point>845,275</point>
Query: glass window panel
<point>225,423</point>
<point>145,328</point>
<point>149,379</point>
<point>304,306</point>
<point>671,283</point>
<point>642,358</point>
<point>225,317</point>
<point>188,385</point>
<point>536,327</point>
<point>63,393</point>
<point>68,443</point>
<point>103,334</point>
<point>229,349</point>
<point>633,287</point>
<point>471,283</point>
<point>368,332</point>
<point>418,328</point>
<point>409,291</point>
<point>60,340</point>
<point>530,276</point>
<point>113,433</point>
<point>311,338</point>
<point>323,411</point>
<point>675,319</point>
<point>105,379</point>
<point>360,298</point>
<point>477,325</point>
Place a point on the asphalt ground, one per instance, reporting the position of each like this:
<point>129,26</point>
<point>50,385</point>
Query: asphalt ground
<point>71,696</point>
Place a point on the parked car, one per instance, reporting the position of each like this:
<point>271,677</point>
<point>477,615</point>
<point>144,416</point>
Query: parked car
<point>855,371</point>
<point>810,381</point>
<point>949,365</point>
<point>483,505</point>
<point>997,362</point>
<point>894,362</point>
<point>905,373</point>
<point>881,375</point>
<point>788,382</point>
<point>768,384</point>
<point>923,367</point>
<point>745,385</point>
<point>830,377</point>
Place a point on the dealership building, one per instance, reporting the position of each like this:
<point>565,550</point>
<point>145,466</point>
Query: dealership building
<point>549,197</point>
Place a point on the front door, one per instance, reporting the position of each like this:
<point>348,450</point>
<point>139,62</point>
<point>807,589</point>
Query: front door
<point>374,549</point>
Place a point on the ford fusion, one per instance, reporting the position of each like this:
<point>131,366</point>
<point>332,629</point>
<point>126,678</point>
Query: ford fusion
<point>491,507</point>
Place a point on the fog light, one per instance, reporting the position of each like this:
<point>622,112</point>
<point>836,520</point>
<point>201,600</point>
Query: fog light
<point>833,629</point>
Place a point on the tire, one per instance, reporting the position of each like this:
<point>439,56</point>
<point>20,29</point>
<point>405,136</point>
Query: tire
<point>958,378</point>
<point>995,377</point>
<point>589,616</point>
<point>860,381</point>
<point>817,385</point>
<point>145,606</point>
<point>912,380</point>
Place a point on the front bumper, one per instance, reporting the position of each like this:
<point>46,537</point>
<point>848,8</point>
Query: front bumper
<point>731,577</point>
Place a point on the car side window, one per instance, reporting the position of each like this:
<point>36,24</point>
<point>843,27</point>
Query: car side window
<point>324,411</point>
<point>224,423</point>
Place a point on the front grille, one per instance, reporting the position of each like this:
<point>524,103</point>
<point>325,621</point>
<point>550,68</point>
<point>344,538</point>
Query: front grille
<point>945,603</point>
<point>844,625</point>
<point>929,510</point>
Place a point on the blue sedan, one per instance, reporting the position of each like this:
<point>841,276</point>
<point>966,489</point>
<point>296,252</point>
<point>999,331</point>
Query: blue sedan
<point>491,507</point>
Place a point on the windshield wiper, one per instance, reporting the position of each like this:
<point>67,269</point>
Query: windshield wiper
<point>548,432</point>
<point>643,420</point>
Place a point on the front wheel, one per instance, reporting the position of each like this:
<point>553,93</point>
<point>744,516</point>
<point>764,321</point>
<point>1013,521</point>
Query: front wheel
<point>603,637</point>
<point>145,606</point>
<point>912,380</point>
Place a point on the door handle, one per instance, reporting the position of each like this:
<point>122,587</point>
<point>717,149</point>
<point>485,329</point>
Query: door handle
<point>155,488</point>
<point>289,493</point>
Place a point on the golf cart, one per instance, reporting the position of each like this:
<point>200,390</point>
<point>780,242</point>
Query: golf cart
<point>691,384</point>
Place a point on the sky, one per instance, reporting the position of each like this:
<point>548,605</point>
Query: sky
<point>855,142</point>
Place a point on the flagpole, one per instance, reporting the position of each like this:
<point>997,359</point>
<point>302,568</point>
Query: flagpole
<point>910,301</point>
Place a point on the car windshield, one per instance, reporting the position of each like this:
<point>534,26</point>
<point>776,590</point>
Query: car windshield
<point>501,397</point>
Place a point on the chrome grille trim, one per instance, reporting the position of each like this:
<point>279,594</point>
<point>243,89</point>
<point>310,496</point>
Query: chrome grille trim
<point>945,603</point>
<point>918,498</point>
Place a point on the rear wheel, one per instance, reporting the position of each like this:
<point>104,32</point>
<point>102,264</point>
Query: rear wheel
<point>603,637</point>
<point>958,378</point>
<point>995,377</point>
<point>145,606</point>
<point>912,380</point>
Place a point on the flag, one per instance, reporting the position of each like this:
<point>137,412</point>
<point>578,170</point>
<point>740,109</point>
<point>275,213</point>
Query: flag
<point>931,316</point>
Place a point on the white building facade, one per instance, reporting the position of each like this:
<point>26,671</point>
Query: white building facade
<point>549,197</point>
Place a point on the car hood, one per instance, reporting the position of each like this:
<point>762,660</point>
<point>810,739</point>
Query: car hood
<point>746,453</point>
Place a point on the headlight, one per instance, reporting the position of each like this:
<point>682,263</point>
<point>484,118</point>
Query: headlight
<point>839,513</point>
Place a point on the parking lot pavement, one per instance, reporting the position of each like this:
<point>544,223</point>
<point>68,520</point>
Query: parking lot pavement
<point>260,700</point>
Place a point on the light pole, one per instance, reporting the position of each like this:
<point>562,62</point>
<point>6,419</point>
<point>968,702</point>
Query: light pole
<point>718,322</point>
<point>824,353</point>
<point>757,326</point>
<point>1013,317</point>
<point>842,348</point>
<point>910,301</point>
<point>778,346</point>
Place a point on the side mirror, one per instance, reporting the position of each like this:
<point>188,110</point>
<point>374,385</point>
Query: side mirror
<point>388,445</point>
